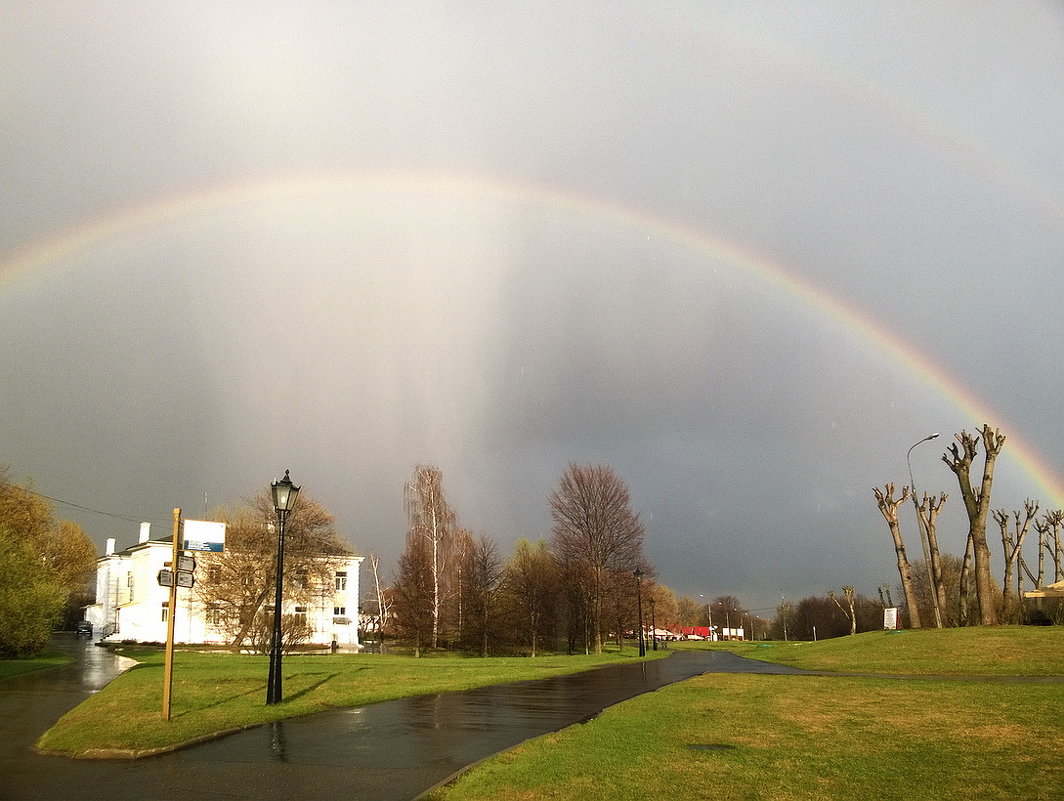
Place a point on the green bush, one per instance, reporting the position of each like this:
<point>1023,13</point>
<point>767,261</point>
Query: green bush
<point>31,599</point>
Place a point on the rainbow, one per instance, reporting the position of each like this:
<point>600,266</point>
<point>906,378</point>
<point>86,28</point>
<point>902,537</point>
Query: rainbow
<point>176,208</point>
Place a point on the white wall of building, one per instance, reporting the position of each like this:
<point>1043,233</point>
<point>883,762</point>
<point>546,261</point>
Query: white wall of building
<point>131,605</point>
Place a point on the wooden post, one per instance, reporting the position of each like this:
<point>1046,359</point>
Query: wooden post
<point>168,670</point>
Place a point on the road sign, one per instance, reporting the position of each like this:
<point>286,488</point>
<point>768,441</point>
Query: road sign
<point>186,563</point>
<point>166,578</point>
<point>185,578</point>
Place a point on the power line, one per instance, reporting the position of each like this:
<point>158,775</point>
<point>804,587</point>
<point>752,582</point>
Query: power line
<point>72,504</point>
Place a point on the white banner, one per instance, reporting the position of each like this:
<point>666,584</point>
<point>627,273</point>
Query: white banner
<point>890,618</point>
<point>201,535</point>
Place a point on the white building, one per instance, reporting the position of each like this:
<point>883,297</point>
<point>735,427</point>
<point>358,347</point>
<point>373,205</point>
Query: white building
<point>132,606</point>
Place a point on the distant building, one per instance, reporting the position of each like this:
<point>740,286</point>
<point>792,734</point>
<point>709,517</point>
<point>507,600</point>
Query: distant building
<point>132,606</point>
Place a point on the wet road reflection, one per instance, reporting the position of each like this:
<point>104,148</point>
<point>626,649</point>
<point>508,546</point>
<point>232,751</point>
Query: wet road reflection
<point>392,750</point>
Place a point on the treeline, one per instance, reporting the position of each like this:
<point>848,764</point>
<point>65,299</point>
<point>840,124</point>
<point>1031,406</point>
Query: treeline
<point>47,566</point>
<point>453,589</point>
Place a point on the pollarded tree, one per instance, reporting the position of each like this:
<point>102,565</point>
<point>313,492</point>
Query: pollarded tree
<point>928,510</point>
<point>889,509</point>
<point>1012,548</point>
<point>851,611</point>
<point>977,506</point>
<point>596,536</point>
<point>236,585</point>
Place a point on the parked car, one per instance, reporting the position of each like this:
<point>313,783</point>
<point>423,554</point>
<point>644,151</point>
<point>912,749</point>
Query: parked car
<point>83,629</point>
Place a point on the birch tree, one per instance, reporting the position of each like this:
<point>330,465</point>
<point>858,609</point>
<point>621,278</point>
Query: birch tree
<point>433,521</point>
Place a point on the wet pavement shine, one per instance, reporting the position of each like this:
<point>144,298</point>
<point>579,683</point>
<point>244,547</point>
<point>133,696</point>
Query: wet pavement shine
<point>391,750</point>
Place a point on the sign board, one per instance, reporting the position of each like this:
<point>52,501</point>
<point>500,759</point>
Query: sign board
<point>890,618</point>
<point>165,578</point>
<point>202,535</point>
<point>185,579</point>
<point>186,563</point>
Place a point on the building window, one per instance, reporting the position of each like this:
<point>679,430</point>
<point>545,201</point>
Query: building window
<point>301,579</point>
<point>214,616</point>
<point>341,580</point>
<point>214,574</point>
<point>301,614</point>
<point>339,611</point>
<point>166,611</point>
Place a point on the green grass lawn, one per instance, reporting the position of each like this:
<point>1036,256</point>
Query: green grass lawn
<point>791,738</point>
<point>13,667</point>
<point>216,692</point>
<point>975,651</point>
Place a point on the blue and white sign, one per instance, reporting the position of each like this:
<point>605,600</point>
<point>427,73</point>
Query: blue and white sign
<point>202,535</point>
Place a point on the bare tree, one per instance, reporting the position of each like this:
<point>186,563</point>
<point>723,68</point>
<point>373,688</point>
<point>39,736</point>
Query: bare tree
<point>240,581</point>
<point>432,520</point>
<point>888,506</point>
<point>383,597</point>
<point>412,604</point>
<point>483,577</point>
<point>595,531</point>
<point>977,505</point>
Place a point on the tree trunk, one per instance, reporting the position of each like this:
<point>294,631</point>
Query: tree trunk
<point>977,505</point>
<point>932,508</point>
<point>889,508</point>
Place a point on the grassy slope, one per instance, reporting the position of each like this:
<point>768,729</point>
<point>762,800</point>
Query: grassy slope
<point>976,651</point>
<point>220,691</point>
<point>784,738</point>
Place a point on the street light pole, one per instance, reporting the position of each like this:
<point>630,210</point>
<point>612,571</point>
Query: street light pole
<point>922,525</point>
<point>639,607</point>
<point>284,499</point>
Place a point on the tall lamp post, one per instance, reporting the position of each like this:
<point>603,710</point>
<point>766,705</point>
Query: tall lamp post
<point>639,607</point>
<point>284,499</point>
<point>921,524</point>
<point>653,626</point>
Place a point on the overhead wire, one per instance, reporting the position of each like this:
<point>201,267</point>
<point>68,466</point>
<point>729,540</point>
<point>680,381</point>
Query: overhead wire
<point>76,505</point>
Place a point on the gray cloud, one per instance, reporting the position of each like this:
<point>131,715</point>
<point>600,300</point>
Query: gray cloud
<point>901,160</point>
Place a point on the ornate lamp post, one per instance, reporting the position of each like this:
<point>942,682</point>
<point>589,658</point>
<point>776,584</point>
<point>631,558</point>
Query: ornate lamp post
<point>653,626</point>
<point>284,499</point>
<point>921,523</point>
<point>639,607</point>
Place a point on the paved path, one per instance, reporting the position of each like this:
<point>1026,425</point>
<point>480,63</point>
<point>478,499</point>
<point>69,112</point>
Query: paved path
<point>392,750</point>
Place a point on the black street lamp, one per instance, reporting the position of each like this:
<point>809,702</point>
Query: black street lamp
<point>639,606</point>
<point>284,499</point>
<point>653,626</point>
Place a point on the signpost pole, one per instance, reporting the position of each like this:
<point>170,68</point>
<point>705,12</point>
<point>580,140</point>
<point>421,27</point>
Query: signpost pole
<point>168,671</point>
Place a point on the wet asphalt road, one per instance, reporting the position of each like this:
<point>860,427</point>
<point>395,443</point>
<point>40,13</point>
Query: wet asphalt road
<point>392,750</point>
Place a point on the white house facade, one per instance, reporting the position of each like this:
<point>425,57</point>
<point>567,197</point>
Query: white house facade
<point>132,606</point>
